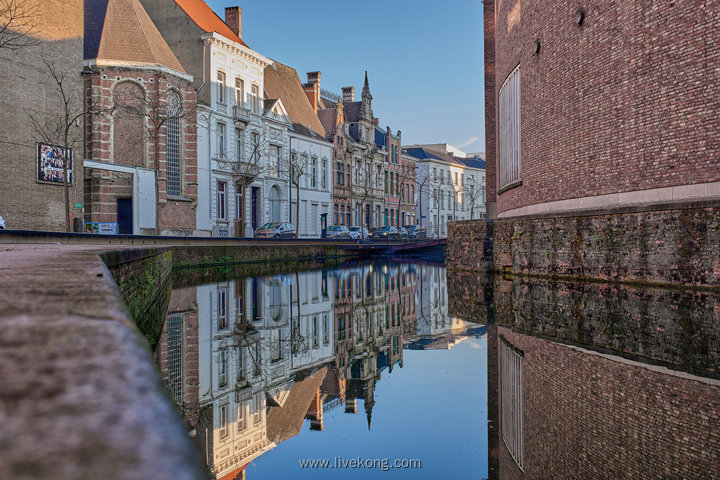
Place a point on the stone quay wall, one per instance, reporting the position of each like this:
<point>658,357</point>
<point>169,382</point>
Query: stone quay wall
<point>678,246</point>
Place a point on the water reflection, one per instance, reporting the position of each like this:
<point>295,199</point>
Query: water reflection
<point>597,381</point>
<point>249,361</point>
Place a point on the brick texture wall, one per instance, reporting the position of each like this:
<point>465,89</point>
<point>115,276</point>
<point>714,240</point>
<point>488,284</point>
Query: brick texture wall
<point>490,132</point>
<point>671,246</point>
<point>628,101</point>
<point>588,416</point>
<point>122,136</point>
<point>29,91</point>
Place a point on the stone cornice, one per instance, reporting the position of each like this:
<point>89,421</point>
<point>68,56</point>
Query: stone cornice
<point>214,38</point>
<point>97,64</point>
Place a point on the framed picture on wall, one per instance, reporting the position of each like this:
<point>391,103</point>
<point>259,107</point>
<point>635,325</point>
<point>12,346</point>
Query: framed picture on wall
<point>50,164</point>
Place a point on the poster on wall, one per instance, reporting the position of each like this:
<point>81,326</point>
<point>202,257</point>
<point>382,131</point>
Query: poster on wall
<point>50,164</point>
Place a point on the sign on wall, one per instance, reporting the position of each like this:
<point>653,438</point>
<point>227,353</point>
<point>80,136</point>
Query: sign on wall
<point>102,228</point>
<point>50,164</point>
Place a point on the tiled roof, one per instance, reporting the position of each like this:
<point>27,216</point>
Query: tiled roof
<point>352,111</point>
<point>473,162</point>
<point>425,154</point>
<point>380,137</point>
<point>121,30</point>
<point>206,18</point>
<point>286,421</point>
<point>327,118</point>
<point>284,83</point>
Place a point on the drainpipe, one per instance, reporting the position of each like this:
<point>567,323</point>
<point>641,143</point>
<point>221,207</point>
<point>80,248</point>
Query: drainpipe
<point>290,184</point>
<point>210,168</point>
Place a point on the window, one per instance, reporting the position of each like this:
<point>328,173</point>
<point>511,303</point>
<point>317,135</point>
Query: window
<point>239,92</point>
<point>174,110</point>
<point>255,147</point>
<point>258,407</point>
<point>512,400</point>
<point>222,308</point>
<point>275,159</point>
<point>241,417</point>
<point>222,367</point>
<point>340,174</point>
<point>239,144</point>
<point>336,215</point>
<point>509,131</point>
<point>313,178</point>
<point>254,98</point>
<point>221,87</point>
<point>324,175</point>
<point>326,330</point>
<point>223,420</point>
<point>220,139</point>
<point>221,200</point>
<point>386,182</point>
<point>315,332</point>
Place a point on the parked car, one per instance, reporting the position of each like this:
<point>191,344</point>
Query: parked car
<point>414,231</point>
<point>2,223</point>
<point>338,231</point>
<point>403,232</point>
<point>275,230</point>
<point>385,233</point>
<point>359,233</point>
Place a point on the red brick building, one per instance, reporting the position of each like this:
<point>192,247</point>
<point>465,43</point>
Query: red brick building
<point>141,167</point>
<point>601,105</point>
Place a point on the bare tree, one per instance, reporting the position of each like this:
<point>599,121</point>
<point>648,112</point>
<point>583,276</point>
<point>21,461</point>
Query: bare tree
<point>17,23</point>
<point>59,125</point>
<point>296,166</point>
<point>157,108</point>
<point>437,197</point>
<point>245,167</point>
<point>422,182</point>
<point>473,192</point>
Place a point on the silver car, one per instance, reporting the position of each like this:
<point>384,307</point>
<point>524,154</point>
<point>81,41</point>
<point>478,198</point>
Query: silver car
<point>338,231</point>
<point>275,230</point>
<point>359,233</point>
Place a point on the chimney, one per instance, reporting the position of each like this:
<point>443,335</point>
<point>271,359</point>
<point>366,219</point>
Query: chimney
<point>233,19</point>
<point>313,78</point>
<point>312,90</point>
<point>377,122</point>
<point>348,94</point>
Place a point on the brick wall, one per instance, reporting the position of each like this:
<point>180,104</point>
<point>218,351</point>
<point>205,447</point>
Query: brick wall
<point>490,132</point>
<point>669,246</point>
<point>589,416</point>
<point>29,91</point>
<point>628,101</point>
<point>122,136</point>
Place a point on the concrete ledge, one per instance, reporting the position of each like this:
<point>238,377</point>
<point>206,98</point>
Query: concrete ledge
<point>81,397</point>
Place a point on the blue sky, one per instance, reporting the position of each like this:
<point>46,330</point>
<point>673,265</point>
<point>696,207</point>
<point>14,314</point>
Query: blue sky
<point>424,59</point>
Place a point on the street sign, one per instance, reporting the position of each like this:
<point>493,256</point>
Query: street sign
<point>78,205</point>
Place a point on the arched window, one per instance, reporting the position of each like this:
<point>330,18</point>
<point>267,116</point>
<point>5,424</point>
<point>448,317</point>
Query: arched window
<point>174,140</point>
<point>129,125</point>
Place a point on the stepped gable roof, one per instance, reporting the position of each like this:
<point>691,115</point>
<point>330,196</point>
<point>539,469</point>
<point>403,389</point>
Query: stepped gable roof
<point>206,19</point>
<point>327,118</point>
<point>287,421</point>
<point>121,30</point>
<point>284,83</point>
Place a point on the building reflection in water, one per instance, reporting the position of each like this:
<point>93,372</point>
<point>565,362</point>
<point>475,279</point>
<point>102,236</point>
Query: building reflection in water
<point>598,381</point>
<point>249,360</point>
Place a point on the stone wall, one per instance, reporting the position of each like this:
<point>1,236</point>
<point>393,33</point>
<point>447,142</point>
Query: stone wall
<point>195,256</point>
<point>666,246</point>
<point>142,277</point>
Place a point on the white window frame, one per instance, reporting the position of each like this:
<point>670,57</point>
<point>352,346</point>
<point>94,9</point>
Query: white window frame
<point>239,92</point>
<point>221,77</point>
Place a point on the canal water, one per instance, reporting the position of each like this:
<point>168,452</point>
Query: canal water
<point>404,370</point>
